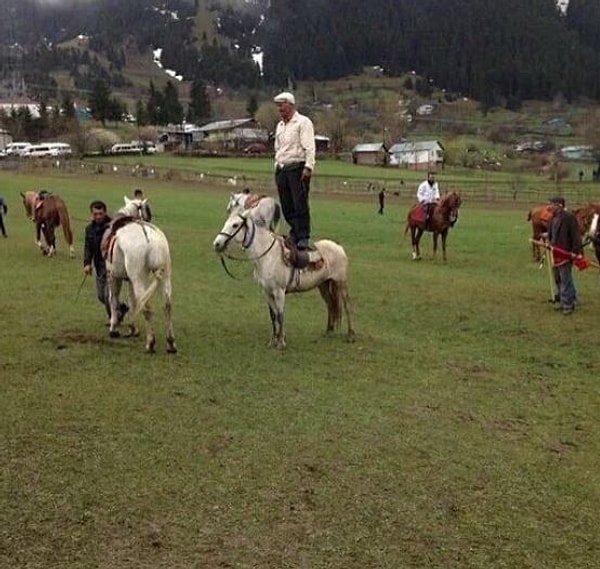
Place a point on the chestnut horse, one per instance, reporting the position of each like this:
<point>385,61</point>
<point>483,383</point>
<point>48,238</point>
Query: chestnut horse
<point>540,216</point>
<point>443,217</point>
<point>48,211</point>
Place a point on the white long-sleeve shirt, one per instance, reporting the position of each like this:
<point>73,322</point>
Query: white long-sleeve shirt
<point>295,141</point>
<point>427,193</point>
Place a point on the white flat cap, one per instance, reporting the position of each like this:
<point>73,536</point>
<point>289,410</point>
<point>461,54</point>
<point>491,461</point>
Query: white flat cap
<point>285,97</point>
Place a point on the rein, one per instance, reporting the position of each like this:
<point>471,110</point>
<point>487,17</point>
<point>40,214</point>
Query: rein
<point>247,242</point>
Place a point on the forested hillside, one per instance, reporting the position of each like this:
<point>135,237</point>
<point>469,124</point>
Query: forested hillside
<point>499,52</point>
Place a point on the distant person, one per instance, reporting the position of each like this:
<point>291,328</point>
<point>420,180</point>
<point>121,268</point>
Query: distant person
<point>581,175</point>
<point>92,255</point>
<point>381,198</point>
<point>428,194</point>
<point>565,242</point>
<point>138,194</point>
<point>294,164</point>
<point>3,212</point>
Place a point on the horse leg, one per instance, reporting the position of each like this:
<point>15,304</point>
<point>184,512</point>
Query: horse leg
<point>171,348</point>
<point>415,237</point>
<point>276,300</point>
<point>51,238</point>
<point>435,244</point>
<point>325,291</point>
<point>444,237</point>
<point>114,290</point>
<point>345,297</point>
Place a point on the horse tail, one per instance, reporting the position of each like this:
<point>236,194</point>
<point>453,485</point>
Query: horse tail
<point>276,217</point>
<point>158,276</point>
<point>65,221</point>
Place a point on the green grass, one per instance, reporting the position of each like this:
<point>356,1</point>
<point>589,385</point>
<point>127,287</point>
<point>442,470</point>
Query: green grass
<point>460,430</point>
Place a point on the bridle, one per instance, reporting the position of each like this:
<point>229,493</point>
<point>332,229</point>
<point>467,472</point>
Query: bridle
<point>247,241</point>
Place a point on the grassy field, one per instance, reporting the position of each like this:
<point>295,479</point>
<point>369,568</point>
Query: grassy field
<point>459,431</point>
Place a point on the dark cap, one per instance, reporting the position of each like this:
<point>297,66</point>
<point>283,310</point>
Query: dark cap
<point>558,200</point>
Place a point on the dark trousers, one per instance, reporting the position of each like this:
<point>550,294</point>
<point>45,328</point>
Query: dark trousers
<point>293,196</point>
<point>563,276</point>
<point>102,291</point>
<point>2,228</point>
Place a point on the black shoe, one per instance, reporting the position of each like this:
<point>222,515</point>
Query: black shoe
<point>123,309</point>
<point>305,245</point>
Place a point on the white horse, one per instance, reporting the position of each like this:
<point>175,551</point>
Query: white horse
<point>138,252</point>
<point>276,277</point>
<point>265,210</point>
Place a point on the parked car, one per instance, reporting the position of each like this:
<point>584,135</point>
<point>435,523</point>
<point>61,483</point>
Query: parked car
<point>16,148</point>
<point>126,149</point>
<point>47,150</point>
<point>255,148</point>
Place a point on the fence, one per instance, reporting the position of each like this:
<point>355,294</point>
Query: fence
<point>505,191</point>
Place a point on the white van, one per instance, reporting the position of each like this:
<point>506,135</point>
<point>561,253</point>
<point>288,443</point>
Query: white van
<point>16,148</point>
<point>48,149</point>
<point>126,149</point>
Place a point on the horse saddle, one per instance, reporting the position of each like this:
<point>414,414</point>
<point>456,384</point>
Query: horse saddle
<point>300,259</point>
<point>108,239</point>
<point>253,200</point>
<point>418,213</point>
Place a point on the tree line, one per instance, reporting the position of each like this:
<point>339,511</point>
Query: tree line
<point>500,53</point>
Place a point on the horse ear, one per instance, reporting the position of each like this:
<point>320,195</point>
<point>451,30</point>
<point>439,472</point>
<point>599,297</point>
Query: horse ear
<point>127,200</point>
<point>22,195</point>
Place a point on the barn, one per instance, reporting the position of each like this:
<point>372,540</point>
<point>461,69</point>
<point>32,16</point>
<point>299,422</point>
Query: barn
<point>373,154</point>
<point>422,155</point>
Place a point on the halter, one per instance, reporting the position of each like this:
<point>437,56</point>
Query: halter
<point>246,243</point>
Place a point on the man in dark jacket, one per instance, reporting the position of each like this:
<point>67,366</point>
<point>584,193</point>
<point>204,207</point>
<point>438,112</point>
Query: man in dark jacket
<point>3,212</point>
<point>93,255</point>
<point>565,240</point>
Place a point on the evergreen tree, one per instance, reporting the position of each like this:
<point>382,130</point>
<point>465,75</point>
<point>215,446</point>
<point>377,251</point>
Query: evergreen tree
<point>100,102</point>
<point>173,111</point>
<point>199,110</point>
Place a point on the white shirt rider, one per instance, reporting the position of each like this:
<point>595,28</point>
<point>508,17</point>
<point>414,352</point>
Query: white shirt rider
<point>428,191</point>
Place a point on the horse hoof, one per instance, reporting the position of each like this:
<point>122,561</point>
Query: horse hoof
<point>114,334</point>
<point>351,338</point>
<point>171,350</point>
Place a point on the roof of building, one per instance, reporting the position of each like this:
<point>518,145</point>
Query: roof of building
<point>369,147</point>
<point>225,125</point>
<point>416,146</point>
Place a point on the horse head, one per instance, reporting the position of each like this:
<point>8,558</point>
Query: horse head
<point>236,228</point>
<point>450,205</point>
<point>136,208</point>
<point>29,202</point>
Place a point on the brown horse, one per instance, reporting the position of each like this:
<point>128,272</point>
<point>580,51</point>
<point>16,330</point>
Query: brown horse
<point>540,216</point>
<point>48,212</point>
<point>585,216</point>
<point>442,218</point>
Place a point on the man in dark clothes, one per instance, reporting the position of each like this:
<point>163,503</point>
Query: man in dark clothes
<point>381,197</point>
<point>565,240</point>
<point>3,212</point>
<point>92,254</point>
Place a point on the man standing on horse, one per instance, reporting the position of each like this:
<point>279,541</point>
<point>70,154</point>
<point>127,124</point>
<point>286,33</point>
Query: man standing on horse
<point>294,163</point>
<point>565,243</point>
<point>92,253</point>
<point>3,212</point>
<point>138,194</point>
<point>428,194</point>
